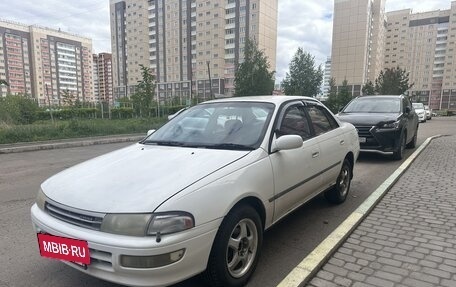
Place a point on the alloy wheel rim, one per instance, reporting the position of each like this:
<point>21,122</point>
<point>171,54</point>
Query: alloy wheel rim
<point>343,181</point>
<point>242,248</point>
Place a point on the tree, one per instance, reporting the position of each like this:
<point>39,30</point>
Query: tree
<point>145,91</point>
<point>252,76</point>
<point>331,103</point>
<point>304,78</point>
<point>18,109</point>
<point>368,88</point>
<point>3,82</point>
<point>68,98</point>
<point>392,81</point>
<point>344,95</point>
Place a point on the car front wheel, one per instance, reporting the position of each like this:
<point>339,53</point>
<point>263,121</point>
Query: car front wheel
<point>399,153</point>
<point>412,143</point>
<point>339,192</point>
<point>236,248</point>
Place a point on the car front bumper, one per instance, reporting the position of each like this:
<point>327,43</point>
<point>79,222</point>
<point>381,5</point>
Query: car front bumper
<point>422,117</point>
<point>385,141</point>
<point>106,250</point>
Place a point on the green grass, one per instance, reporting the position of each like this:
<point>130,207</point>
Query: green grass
<point>45,130</point>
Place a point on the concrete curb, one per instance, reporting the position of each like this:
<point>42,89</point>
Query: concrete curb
<point>304,271</point>
<point>69,144</point>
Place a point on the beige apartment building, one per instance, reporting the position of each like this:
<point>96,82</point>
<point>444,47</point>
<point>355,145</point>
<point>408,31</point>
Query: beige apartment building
<point>358,42</point>
<point>15,59</point>
<point>424,45</point>
<point>45,63</point>
<point>102,78</point>
<point>191,46</point>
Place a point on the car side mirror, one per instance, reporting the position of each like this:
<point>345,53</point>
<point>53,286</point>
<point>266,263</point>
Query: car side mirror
<point>288,142</point>
<point>149,132</point>
<point>408,110</point>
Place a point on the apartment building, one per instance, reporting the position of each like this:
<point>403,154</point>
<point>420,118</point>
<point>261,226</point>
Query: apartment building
<point>15,59</point>
<point>424,45</point>
<point>45,63</point>
<point>358,42</point>
<point>326,79</point>
<point>102,77</point>
<point>191,46</point>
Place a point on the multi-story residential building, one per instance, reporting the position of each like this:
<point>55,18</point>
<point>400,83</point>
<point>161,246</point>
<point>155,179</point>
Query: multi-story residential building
<point>102,77</point>
<point>192,46</point>
<point>357,42</point>
<point>45,63</point>
<point>326,79</point>
<point>424,45</point>
<point>15,59</point>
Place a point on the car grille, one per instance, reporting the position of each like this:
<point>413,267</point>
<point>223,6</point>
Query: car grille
<point>74,217</point>
<point>364,132</point>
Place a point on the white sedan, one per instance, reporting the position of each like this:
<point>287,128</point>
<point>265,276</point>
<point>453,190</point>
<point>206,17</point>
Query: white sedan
<point>197,194</point>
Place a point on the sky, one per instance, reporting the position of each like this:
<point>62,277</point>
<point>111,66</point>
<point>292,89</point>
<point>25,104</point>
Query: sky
<point>301,23</point>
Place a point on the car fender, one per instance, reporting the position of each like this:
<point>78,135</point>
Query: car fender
<point>221,191</point>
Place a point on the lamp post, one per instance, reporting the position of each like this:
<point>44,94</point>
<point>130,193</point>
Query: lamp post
<point>210,80</point>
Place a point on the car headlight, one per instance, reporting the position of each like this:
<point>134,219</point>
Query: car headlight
<point>40,199</point>
<point>172,222</point>
<point>126,224</point>
<point>144,224</point>
<point>390,125</point>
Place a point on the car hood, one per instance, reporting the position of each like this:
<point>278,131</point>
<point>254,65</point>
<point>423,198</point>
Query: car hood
<point>137,178</point>
<point>367,119</point>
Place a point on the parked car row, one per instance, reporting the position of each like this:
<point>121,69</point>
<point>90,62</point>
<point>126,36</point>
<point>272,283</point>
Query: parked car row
<point>196,195</point>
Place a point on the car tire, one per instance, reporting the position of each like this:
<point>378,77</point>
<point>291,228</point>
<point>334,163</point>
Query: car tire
<point>399,153</point>
<point>412,143</point>
<point>236,248</point>
<point>338,193</point>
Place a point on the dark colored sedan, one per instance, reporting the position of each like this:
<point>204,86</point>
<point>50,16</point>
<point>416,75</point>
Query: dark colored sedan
<point>385,124</point>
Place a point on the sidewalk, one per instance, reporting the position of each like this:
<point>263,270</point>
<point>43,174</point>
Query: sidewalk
<point>409,238</point>
<point>66,143</point>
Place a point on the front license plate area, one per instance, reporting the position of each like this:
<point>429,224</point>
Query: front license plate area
<point>362,139</point>
<point>63,248</point>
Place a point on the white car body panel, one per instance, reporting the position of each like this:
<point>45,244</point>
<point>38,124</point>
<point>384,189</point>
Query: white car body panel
<point>205,182</point>
<point>132,180</point>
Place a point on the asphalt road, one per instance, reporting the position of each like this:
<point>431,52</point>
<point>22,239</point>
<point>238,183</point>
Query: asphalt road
<point>285,244</point>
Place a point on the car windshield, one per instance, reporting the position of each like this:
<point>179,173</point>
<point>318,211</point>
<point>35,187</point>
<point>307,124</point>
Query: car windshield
<point>418,106</point>
<point>224,125</point>
<point>374,105</point>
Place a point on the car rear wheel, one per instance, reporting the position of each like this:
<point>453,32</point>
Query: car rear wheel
<point>339,192</point>
<point>399,154</point>
<point>236,248</point>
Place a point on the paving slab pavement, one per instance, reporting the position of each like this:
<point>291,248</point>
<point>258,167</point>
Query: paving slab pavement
<point>409,237</point>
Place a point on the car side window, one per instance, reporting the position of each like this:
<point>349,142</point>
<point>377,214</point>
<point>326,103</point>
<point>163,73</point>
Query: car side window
<point>321,122</point>
<point>295,122</point>
<point>406,103</point>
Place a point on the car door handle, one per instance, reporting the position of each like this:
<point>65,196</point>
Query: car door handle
<point>342,142</point>
<point>315,154</point>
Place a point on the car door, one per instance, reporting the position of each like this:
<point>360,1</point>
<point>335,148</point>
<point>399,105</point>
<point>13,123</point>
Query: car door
<point>295,171</point>
<point>332,142</point>
<point>411,118</point>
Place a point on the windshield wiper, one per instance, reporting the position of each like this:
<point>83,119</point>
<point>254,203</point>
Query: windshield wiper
<point>167,143</point>
<point>231,146</point>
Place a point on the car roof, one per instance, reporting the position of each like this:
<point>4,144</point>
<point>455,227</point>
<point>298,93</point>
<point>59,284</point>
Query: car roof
<point>381,96</point>
<point>266,99</point>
